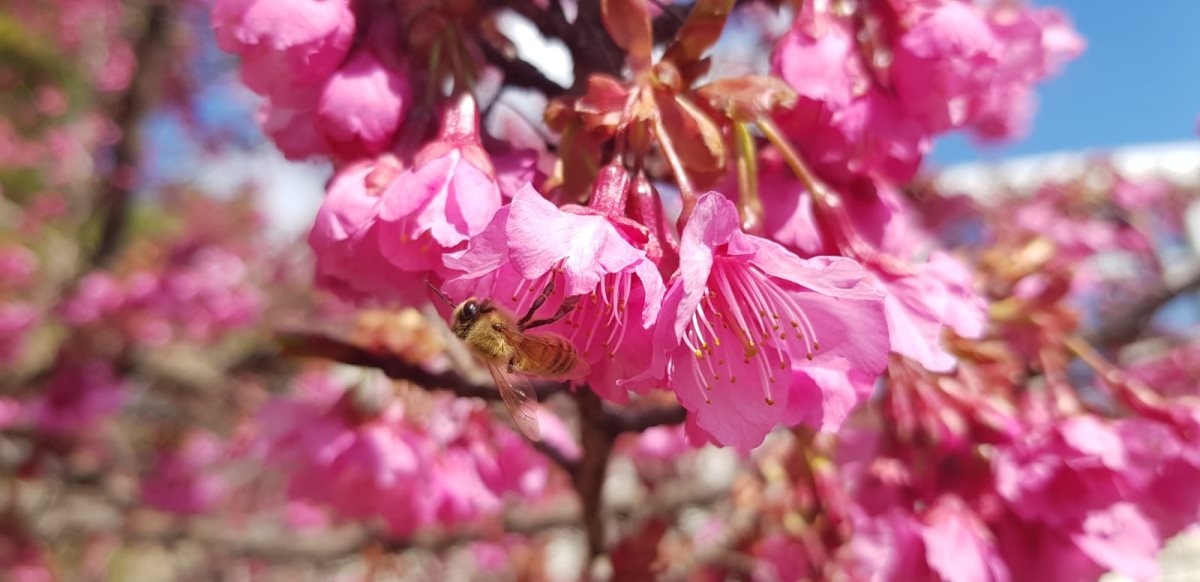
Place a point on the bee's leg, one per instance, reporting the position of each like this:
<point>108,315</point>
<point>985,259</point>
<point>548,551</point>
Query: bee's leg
<point>567,306</point>
<point>537,303</point>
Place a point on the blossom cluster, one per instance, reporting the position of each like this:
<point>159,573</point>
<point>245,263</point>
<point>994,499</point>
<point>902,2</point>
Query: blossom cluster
<point>412,461</point>
<point>751,325</point>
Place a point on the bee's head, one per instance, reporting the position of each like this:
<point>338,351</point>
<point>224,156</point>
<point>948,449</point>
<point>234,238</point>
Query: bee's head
<point>466,314</point>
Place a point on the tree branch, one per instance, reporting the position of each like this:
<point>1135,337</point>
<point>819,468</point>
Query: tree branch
<point>117,189</point>
<point>1128,325</point>
<point>597,440</point>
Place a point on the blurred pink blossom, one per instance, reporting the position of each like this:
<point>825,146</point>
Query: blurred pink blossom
<point>284,44</point>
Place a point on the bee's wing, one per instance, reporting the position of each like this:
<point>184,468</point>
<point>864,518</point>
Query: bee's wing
<point>554,354</point>
<point>519,398</point>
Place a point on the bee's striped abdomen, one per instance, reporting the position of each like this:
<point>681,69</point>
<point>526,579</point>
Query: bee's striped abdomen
<point>547,355</point>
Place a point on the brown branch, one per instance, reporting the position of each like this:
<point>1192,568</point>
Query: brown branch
<point>597,440</point>
<point>520,73</point>
<point>116,191</point>
<point>1129,324</point>
<point>570,466</point>
<point>638,420</point>
<point>311,345</point>
<point>669,21</point>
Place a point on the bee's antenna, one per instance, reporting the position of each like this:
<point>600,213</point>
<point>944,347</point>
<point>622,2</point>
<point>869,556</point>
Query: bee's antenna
<point>439,292</point>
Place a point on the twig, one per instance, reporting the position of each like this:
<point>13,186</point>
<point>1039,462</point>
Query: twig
<point>571,466</point>
<point>638,420</point>
<point>320,346</point>
<point>520,73</point>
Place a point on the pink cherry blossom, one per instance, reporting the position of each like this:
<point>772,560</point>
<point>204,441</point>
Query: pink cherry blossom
<point>716,335</point>
<point>356,461</point>
<point>203,292</point>
<point>889,546</point>
<point>946,57</point>
<point>362,106</point>
<point>448,196</point>
<point>958,545</point>
<point>16,321</point>
<point>788,217</point>
<point>780,557</point>
<point>842,123</point>
<point>284,43</point>
<point>294,127</point>
<point>98,294</point>
<point>360,453</point>
<point>17,267</point>
<point>182,479</point>
<point>1073,479</point>
<point>345,237</point>
<point>1036,42</point>
<point>920,306</point>
<point>79,396</point>
<point>530,241</point>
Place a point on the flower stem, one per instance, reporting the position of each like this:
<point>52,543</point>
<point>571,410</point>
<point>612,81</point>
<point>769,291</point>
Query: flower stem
<point>750,205</point>
<point>686,191</point>
<point>829,206</point>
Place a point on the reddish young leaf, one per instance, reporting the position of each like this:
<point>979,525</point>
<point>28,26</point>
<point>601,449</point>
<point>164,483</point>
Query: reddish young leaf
<point>604,103</point>
<point>697,138</point>
<point>748,98</point>
<point>698,34</point>
<point>628,23</point>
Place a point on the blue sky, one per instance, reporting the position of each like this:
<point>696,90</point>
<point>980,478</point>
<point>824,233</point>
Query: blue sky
<point>1138,82</point>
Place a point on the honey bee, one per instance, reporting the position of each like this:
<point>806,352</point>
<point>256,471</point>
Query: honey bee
<point>512,354</point>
